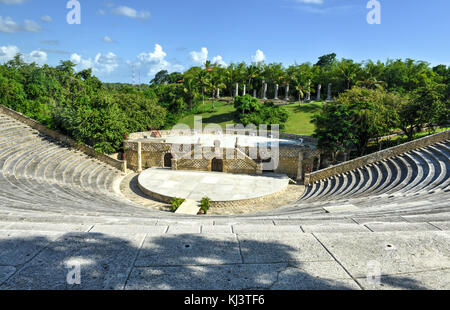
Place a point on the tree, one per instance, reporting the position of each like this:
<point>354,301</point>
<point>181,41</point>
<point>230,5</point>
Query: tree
<point>250,111</point>
<point>326,61</point>
<point>425,107</point>
<point>333,129</point>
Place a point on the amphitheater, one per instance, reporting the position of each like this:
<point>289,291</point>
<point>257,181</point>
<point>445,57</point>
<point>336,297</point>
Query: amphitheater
<point>384,225</point>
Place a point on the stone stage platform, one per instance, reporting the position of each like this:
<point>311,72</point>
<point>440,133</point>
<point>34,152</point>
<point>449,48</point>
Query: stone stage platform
<point>165,184</point>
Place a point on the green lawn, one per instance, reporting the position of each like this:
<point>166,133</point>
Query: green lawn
<point>298,121</point>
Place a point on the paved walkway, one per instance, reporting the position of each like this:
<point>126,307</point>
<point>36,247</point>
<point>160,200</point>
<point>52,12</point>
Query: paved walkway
<point>111,256</point>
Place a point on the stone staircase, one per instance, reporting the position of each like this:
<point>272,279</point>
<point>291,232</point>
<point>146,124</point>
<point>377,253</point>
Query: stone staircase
<point>40,176</point>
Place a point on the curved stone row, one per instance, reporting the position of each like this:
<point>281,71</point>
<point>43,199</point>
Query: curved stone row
<point>419,171</point>
<point>38,173</point>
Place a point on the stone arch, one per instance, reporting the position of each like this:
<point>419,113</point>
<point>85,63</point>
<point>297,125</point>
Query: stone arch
<point>217,165</point>
<point>168,160</point>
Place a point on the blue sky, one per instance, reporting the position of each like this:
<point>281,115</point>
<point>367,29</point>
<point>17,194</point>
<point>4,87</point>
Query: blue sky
<point>177,34</point>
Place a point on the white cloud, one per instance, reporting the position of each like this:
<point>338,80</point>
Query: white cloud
<point>219,61</point>
<point>156,61</point>
<point>46,19</point>
<point>101,64</point>
<point>39,57</point>
<point>8,25</point>
<point>31,26</point>
<point>107,39</point>
<point>8,52</point>
<point>130,12</point>
<point>259,56</point>
<point>200,57</point>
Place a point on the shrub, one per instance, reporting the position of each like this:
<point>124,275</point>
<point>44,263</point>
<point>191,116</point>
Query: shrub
<point>176,203</point>
<point>205,204</point>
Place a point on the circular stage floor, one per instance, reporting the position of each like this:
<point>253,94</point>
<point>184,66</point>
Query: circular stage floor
<point>165,184</point>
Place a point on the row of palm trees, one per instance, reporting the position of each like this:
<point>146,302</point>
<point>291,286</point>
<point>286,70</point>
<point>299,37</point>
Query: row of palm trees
<point>302,78</point>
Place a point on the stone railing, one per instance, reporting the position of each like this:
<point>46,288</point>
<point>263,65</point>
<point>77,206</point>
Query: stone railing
<point>375,157</point>
<point>118,164</point>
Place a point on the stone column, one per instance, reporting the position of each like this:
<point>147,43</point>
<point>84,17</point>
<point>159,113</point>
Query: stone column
<point>265,91</point>
<point>300,168</point>
<point>329,98</point>
<point>254,93</point>
<point>319,87</point>
<point>245,90</point>
<point>236,90</point>
<point>287,93</point>
<point>276,92</point>
<point>218,93</point>
<point>139,156</point>
<point>174,164</point>
<point>308,94</point>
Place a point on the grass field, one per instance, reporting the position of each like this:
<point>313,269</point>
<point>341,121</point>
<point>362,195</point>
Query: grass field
<point>298,121</point>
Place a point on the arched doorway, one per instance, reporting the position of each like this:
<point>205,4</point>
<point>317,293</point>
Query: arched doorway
<point>168,160</point>
<point>217,165</point>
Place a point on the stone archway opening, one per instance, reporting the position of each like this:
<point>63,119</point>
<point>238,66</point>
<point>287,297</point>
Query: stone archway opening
<point>217,165</point>
<point>168,160</point>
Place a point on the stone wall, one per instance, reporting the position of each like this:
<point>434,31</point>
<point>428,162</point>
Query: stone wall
<point>376,157</point>
<point>291,157</point>
<point>118,164</point>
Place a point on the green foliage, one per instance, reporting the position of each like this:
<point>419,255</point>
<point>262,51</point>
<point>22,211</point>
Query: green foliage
<point>250,111</point>
<point>373,98</point>
<point>358,115</point>
<point>176,203</point>
<point>426,106</point>
<point>205,204</point>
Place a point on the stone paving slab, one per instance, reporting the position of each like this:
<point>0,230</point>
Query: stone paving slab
<point>18,247</point>
<point>222,277</point>
<point>281,247</point>
<point>394,252</point>
<point>187,249</point>
<point>243,277</point>
<point>245,229</point>
<point>50,227</point>
<point>105,263</point>
<point>6,272</point>
<point>387,219</point>
<point>312,222</point>
<point>189,207</point>
<point>133,229</point>
<point>442,225</point>
<point>315,276</point>
<point>427,280</point>
<point>216,229</point>
<point>334,228</point>
<point>342,208</point>
<point>378,227</point>
<point>5,225</point>
<point>237,221</point>
<point>441,217</point>
<point>193,222</point>
<point>182,229</point>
